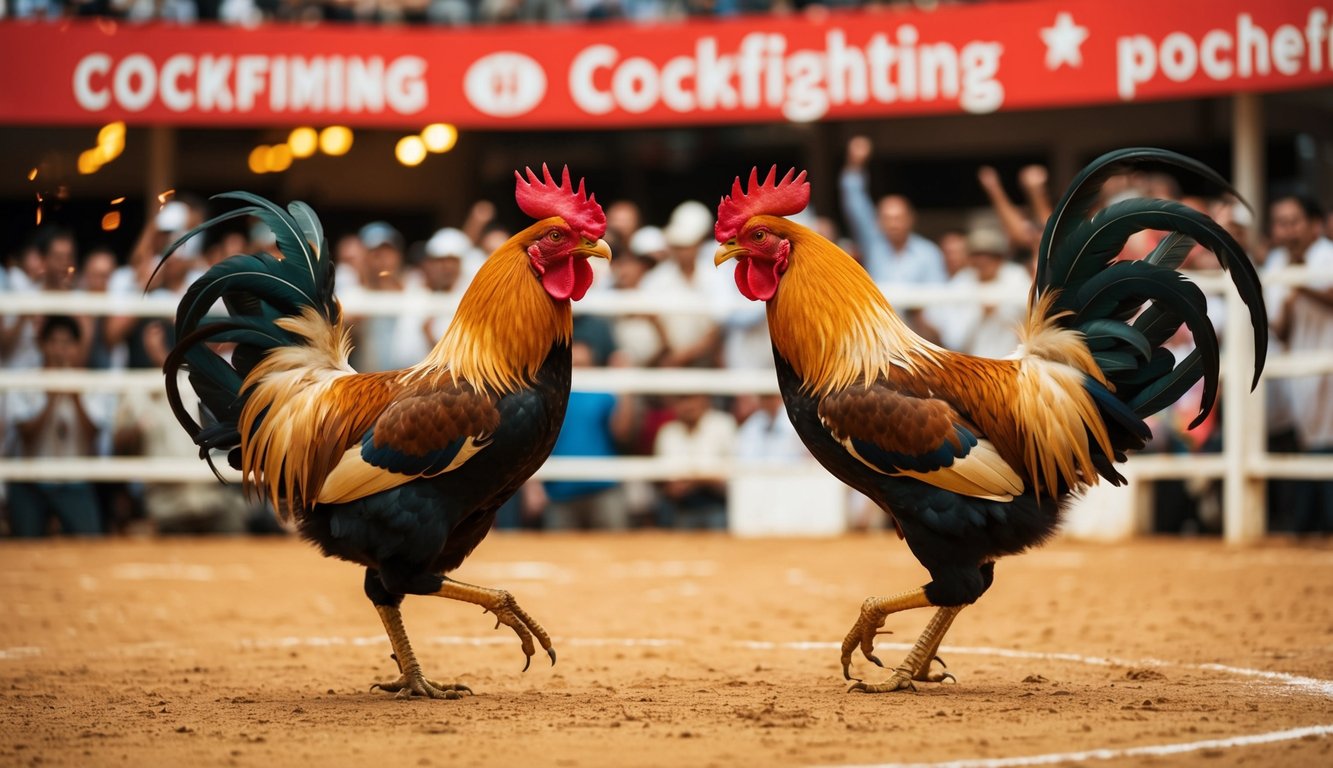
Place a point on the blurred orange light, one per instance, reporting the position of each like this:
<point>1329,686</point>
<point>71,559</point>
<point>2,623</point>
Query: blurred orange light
<point>111,221</point>
<point>32,175</point>
<point>278,158</point>
<point>90,161</point>
<point>118,201</point>
<point>111,141</point>
<point>439,137</point>
<point>163,197</point>
<point>303,141</point>
<point>259,159</point>
<point>335,140</point>
<point>112,133</point>
<point>411,150</point>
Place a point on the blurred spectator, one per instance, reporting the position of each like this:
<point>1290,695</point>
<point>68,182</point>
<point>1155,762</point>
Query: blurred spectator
<point>375,348</point>
<point>596,423</point>
<point>18,334</point>
<point>640,337</point>
<point>1303,320</point>
<point>145,426</point>
<point>384,256</point>
<point>1023,229</point>
<point>60,259</point>
<point>693,338</point>
<point>58,425</point>
<point>419,326</point>
<point>480,220</point>
<point>349,256</point>
<point>891,252</point>
<point>978,328</point>
<point>702,434</point>
<point>953,246</point>
<point>623,219</point>
<point>767,434</point>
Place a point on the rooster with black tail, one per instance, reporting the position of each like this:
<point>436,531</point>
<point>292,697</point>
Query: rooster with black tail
<point>400,471</point>
<point>975,458</point>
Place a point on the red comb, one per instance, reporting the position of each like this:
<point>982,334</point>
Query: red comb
<point>783,198</point>
<point>540,199</point>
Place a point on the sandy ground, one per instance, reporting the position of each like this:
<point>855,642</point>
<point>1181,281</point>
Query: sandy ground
<point>674,650</point>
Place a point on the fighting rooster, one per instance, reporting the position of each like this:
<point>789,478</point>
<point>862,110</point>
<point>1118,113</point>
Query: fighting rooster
<point>974,458</point>
<point>400,471</point>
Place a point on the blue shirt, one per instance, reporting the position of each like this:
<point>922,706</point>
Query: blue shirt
<point>586,432</point>
<point>919,261</point>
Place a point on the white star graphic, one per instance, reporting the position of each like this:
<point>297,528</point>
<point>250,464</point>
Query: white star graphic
<point>1063,40</point>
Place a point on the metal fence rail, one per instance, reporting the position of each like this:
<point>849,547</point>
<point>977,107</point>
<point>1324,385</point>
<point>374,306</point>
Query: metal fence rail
<point>1243,465</point>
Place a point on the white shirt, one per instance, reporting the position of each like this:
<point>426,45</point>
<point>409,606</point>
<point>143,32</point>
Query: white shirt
<point>667,279</point>
<point>965,328</point>
<point>1311,329</point>
<point>714,437</point>
<point>765,437</point>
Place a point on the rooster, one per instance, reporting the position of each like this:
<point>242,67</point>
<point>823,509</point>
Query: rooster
<point>400,471</point>
<point>974,458</point>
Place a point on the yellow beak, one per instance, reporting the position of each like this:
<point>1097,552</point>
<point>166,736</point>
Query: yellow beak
<point>728,250</point>
<point>599,249</point>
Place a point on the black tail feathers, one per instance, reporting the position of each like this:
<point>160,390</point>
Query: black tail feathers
<point>256,289</point>
<point>1127,310</point>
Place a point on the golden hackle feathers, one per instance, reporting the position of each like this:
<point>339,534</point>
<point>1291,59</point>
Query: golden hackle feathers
<point>1053,403</point>
<point>830,320</point>
<point>308,407</point>
<point>505,323</point>
<point>833,325</point>
<point>293,423</point>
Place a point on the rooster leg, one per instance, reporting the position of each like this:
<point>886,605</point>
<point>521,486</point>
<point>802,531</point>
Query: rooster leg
<point>931,655</point>
<point>917,664</point>
<point>873,612</point>
<point>411,682</point>
<point>507,612</point>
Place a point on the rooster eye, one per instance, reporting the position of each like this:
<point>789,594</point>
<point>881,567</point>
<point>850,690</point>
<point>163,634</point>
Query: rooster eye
<point>759,236</point>
<point>555,235</point>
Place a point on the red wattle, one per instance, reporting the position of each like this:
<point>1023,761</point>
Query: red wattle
<point>757,280</point>
<point>567,278</point>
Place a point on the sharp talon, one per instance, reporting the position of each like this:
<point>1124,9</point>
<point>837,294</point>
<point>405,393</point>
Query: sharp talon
<point>875,660</point>
<point>527,663</point>
<point>941,661</point>
<point>460,687</point>
<point>497,623</point>
<point>373,686</point>
<point>857,686</point>
<point>394,656</point>
<point>948,676</point>
<point>551,652</point>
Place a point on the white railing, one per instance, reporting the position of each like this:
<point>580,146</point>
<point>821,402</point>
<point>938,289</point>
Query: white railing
<point>1243,465</point>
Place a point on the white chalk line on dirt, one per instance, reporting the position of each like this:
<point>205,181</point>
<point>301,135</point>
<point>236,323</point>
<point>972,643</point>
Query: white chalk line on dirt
<point>1154,750</point>
<point>1310,684</point>
<point>1307,684</point>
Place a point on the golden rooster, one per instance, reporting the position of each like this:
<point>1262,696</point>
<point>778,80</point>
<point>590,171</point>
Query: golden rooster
<point>400,471</point>
<point>975,458</point>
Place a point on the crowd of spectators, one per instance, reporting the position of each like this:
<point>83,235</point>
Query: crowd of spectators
<point>668,258</point>
<point>437,12</point>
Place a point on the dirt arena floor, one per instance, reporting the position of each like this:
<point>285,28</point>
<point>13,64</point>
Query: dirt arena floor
<point>674,650</point>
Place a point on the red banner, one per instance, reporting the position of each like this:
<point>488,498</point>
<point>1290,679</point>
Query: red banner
<point>958,59</point>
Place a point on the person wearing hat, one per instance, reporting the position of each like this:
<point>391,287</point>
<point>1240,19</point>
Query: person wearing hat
<point>375,349</point>
<point>976,327</point>
<point>639,337</point>
<point>692,338</point>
